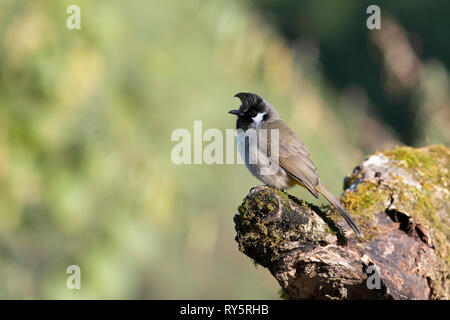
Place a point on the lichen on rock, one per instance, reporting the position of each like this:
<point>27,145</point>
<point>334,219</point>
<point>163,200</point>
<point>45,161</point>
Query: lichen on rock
<point>410,187</point>
<point>270,224</point>
<point>401,200</point>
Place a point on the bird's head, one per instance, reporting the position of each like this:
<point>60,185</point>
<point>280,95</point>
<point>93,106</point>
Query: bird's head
<point>253,111</point>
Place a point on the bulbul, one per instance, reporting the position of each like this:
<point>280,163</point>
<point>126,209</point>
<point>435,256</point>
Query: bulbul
<point>294,166</point>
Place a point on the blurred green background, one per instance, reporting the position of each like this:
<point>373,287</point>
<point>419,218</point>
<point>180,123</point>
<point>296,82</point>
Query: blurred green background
<point>86,118</point>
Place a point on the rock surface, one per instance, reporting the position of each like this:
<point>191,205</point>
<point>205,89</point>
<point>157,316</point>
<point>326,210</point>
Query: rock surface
<point>401,200</point>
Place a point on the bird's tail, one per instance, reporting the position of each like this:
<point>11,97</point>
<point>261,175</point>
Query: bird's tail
<point>335,202</point>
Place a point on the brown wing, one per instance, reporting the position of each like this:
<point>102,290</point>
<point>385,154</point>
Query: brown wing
<point>293,156</point>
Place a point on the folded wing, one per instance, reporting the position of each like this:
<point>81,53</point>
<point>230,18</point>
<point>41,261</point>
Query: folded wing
<point>293,156</point>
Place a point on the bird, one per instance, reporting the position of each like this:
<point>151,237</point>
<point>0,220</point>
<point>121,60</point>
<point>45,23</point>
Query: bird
<point>294,165</point>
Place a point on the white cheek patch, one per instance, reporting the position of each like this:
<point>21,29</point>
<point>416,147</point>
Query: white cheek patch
<point>258,118</point>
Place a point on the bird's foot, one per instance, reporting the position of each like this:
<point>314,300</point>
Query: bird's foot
<point>276,188</point>
<point>258,186</point>
<point>269,186</point>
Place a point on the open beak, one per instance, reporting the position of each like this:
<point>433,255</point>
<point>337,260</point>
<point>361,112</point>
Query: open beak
<point>235,112</point>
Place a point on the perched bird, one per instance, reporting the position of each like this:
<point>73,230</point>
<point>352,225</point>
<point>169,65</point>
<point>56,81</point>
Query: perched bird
<point>294,164</point>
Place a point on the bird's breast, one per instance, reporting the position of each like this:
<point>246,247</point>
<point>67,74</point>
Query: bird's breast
<point>255,160</point>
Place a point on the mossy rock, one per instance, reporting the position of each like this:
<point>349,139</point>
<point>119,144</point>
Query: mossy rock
<point>400,198</point>
<point>409,186</point>
<point>271,223</point>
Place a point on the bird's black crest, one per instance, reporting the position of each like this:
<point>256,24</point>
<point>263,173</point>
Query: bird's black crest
<point>249,99</point>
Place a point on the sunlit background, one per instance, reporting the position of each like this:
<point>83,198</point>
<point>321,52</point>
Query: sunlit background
<point>86,118</point>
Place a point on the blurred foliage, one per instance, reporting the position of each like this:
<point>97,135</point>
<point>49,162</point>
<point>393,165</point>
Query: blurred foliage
<point>86,118</point>
<point>350,58</point>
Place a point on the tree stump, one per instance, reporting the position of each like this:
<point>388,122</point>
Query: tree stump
<point>400,198</point>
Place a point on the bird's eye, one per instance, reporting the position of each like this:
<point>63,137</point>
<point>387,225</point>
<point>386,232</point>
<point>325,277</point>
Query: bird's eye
<point>253,113</point>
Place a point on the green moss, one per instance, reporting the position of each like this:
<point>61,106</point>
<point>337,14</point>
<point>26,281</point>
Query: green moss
<point>428,167</point>
<point>265,202</point>
<point>429,162</point>
<point>252,212</point>
<point>325,212</point>
<point>418,186</point>
<point>265,236</point>
<point>363,203</point>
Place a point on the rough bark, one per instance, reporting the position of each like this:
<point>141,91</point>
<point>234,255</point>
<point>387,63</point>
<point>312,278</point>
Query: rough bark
<point>401,200</point>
